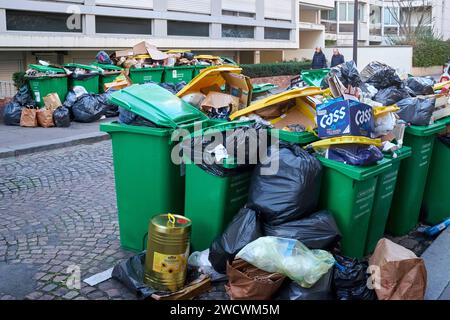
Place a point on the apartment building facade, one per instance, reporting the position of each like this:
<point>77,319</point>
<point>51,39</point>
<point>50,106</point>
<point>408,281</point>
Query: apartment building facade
<point>378,20</point>
<point>62,31</point>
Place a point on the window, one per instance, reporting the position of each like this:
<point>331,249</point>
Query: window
<point>184,28</point>
<point>329,15</point>
<point>347,12</point>
<point>238,14</point>
<point>39,21</point>
<point>389,16</point>
<point>233,31</point>
<point>122,25</point>
<point>277,34</point>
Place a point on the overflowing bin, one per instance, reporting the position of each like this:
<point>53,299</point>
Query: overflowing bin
<point>148,182</point>
<point>178,74</point>
<point>48,80</point>
<point>145,75</point>
<point>405,209</point>
<point>349,193</point>
<point>436,200</point>
<point>109,74</point>
<point>214,196</point>
<point>384,194</point>
<point>89,80</point>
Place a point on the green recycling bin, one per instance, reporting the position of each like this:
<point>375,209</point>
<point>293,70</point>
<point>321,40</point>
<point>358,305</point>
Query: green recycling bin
<point>436,200</point>
<point>54,81</point>
<point>314,77</point>
<point>178,74</point>
<point>383,198</point>
<point>349,193</point>
<point>148,182</point>
<point>408,195</point>
<point>144,75</point>
<point>199,68</point>
<point>211,201</point>
<point>89,81</point>
<point>109,74</point>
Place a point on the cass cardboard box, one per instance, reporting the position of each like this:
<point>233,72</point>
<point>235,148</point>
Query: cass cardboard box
<point>341,117</point>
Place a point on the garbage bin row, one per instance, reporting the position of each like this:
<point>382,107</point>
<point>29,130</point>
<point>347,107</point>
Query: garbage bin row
<point>366,201</point>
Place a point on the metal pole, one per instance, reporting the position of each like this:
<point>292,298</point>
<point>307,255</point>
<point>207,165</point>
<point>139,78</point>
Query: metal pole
<point>355,31</point>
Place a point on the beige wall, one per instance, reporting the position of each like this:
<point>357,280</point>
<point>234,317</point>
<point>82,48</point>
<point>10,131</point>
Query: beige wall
<point>400,58</point>
<point>271,56</point>
<point>310,16</point>
<point>312,39</point>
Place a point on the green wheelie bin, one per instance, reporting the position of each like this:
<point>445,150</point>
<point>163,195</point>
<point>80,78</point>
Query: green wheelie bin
<point>349,193</point>
<point>145,75</point>
<point>212,199</point>
<point>178,74</point>
<point>54,80</point>
<point>199,68</point>
<point>408,195</point>
<point>148,181</point>
<point>89,81</point>
<point>436,200</point>
<point>383,198</point>
<point>109,74</point>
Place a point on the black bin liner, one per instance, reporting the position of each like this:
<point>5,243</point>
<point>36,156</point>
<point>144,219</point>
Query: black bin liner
<point>380,75</point>
<point>420,86</point>
<point>243,229</point>
<point>391,95</point>
<point>318,231</point>
<point>416,111</point>
<point>13,110</point>
<point>285,186</point>
<point>61,117</point>
<point>321,290</point>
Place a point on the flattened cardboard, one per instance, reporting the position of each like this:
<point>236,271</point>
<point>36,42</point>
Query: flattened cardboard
<point>218,100</point>
<point>239,86</point>
<point>147,48</point>
<point>124,53</point>
<point>402,274</point>
<point>294,116</point>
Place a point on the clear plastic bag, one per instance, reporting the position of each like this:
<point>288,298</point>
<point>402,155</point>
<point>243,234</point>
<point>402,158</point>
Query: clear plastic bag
<point>288,257</point>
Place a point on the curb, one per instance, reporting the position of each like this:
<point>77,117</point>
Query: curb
<point>53,144</point>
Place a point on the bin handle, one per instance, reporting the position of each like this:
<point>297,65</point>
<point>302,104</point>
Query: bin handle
<point>433,130</point>
<point>171,220</point>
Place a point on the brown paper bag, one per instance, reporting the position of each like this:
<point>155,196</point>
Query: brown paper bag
<point>246,282</point>
<point>45,118</point>
<point>28,118</point>
<point>402,274</point>
<point>52,101</point>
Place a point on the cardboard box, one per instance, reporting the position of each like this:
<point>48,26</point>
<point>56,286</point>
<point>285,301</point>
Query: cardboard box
<point>345,118</point>
<point>219,100</point>
<point>295,115</point>
<point>147,48</point>
<point>239,86</point>
<point>124,53</point>
<point>52,101</point>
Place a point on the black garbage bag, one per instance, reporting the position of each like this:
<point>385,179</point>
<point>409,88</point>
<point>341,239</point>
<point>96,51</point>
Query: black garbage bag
<point>321,290</point>
<point>130,273</point>
<point>420,86</point>
<point>131,118</point>
<point>12,113</point>
<point>173,87</point>
<point>318,231</point>
<point>350,280</point>
<point>391,95</point>
<point>347,73</point>
<point>88,109</point>
<point>24,97</point>
<point>243,229</point>
<point>355,154</point>
<point>71,98</point>
<point>380,75</point>
<point>416,111</point>
<point>61,117</point>
<point>285,186</point>
<point>241,143</point>
<point>445,139</point>
<point>111,110</point>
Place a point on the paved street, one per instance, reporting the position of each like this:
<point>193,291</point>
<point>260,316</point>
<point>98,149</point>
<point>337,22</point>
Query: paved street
<point>58,209</point>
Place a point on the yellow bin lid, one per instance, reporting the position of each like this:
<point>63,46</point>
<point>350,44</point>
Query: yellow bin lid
<point>207,78</point>
<point>277,98</point>
<point>323,144</point>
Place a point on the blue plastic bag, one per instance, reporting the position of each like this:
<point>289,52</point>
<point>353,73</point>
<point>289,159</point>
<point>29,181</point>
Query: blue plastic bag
<point>355,154</point>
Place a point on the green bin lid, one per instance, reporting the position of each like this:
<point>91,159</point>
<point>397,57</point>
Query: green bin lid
<point>157,105</point>
<point>107,67</point>
<point>423,131</point>
<point>357,172</point>
<point>402,153</point>
<point>83,66</point>
<point>263,87</point>
<point>445,121</point>
<point>45,69</point>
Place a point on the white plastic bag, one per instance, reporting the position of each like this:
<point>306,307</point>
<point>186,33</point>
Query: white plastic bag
<point>288,257</point>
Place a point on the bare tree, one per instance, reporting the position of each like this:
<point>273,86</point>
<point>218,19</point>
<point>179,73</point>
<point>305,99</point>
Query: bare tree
<point>413,17</point>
